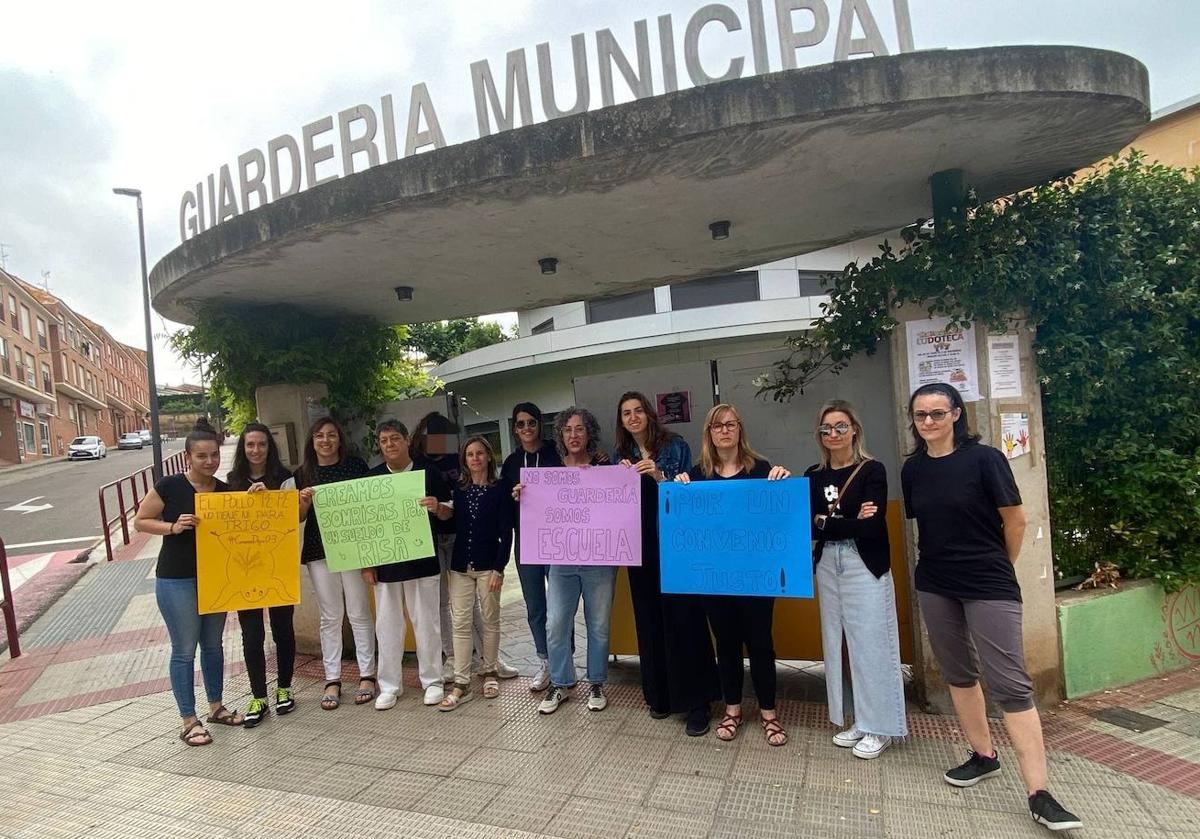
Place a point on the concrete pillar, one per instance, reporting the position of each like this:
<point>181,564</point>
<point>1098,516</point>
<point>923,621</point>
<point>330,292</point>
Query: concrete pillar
<point>289,410</point>
<point>1035,571</point>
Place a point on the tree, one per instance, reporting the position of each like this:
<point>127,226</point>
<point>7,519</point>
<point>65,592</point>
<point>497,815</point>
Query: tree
<point>440,341</point>
<point>1106,269</point>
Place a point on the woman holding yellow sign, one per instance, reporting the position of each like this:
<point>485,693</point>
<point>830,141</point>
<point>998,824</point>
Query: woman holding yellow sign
<point>169,510</point>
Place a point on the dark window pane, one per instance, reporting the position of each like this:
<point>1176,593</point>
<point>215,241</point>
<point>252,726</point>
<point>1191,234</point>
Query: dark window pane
<point>814,283</point>
<point>741,287</point>
<point>621,306</point>
<point>545,326</point>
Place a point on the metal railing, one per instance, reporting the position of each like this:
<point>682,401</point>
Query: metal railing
<point>128,498</point>
<point>10,614</point>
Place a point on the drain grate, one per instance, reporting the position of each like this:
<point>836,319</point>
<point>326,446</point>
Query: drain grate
<point>1125,718</point>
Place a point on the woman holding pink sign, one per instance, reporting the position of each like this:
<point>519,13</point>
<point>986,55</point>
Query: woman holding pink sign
<point>738,620</point>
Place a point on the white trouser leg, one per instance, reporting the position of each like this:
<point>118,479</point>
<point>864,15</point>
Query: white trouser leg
<point>328,586</point>
<point>358,609</point>
<point>389,629</point>
<point>422,598</point>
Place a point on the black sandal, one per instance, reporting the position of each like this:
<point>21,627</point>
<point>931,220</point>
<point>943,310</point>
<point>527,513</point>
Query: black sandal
<point>364,695</point>
<point>330,701</point>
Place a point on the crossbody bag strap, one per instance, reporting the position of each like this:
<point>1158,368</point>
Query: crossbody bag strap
<point>845,486</point>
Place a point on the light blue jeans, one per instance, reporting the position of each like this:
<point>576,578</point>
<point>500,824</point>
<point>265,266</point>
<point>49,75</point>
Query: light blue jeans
<point>189,629</point>
<point>594,583</point>
<point>863,607</point>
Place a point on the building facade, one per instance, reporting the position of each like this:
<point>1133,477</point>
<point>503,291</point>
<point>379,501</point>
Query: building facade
<point>28,399</point>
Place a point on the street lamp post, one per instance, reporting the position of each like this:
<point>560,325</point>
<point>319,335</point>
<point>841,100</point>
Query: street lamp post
<point>155,430</point>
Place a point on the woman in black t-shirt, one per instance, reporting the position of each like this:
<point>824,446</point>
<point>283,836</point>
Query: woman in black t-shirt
<point>738,620</point>
<point>970,525</point>
<point>338,592</point>
<point>853,565</point>
<point>257,466</point>
<point>169,510</point>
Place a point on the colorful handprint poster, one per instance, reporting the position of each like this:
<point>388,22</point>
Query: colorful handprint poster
<point>247,550</point>
<point>1014,434</point>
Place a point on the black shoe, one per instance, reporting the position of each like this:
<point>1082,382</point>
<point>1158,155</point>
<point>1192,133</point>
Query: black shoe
<point>656,714</point>
<point>698,720</point>
<point>974,770</point>
<point>255,711</point>
<point>285,701</point>
<point>1049,813</point>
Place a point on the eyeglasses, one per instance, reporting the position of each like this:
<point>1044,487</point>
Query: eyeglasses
<point>732,425</point>
<point>519,424</point>
<point>829,430</point>
<point>937,416</point>
<point>574,432</point>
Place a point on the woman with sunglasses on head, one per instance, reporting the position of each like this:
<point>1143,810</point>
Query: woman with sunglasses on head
<point>970,525</point>
<point>577,437</point>
<point>482,513</point>
<point>531,453</point>
<point>169,510</point>
<point>853,562</point>
<point>339,593</point>
<point>257,466</point>
<point>739,620</point>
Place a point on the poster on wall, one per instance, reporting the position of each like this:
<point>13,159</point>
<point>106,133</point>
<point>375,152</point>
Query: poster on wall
<point>939,353</point>
<point>1014,434</point>
<point>581,516</point>
<point>674,407</point>
<point>1004,366</point>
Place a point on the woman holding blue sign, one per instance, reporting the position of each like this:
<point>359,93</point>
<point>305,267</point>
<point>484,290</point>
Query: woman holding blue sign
<point>853,563</point>
<point>338,592</point>
<point>739,620</point>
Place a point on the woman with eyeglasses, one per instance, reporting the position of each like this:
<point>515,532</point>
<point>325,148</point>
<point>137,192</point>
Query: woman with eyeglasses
<point>739,620</point>
<point>853,563</point>
<point>577,436</point>
<point>531,453</point>
<point>338,592</point>
<point>970,526</point>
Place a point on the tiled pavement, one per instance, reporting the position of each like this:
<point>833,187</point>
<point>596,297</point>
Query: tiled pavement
<point>88,749</point>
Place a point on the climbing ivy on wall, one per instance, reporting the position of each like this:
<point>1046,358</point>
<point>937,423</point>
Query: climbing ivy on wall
<point>361,361</point>
<point>1105,268</point>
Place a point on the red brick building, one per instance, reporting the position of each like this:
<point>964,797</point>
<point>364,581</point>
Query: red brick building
<point>124,382</point>
<point>27,394</point>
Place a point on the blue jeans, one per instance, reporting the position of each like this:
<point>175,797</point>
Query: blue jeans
<point>568,583</point>
<point>189,629</point>
<point>533,589</point>
<point>862,607</point>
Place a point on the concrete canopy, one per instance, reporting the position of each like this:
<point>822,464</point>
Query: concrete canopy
<point>623,196</point>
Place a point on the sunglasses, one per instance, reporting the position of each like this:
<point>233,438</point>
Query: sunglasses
<point>519,424</point>
<point>936,416</point>
<point>839,429</point>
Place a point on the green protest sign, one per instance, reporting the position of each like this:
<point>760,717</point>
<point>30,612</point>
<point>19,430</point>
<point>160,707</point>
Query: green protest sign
<point>373,521</point>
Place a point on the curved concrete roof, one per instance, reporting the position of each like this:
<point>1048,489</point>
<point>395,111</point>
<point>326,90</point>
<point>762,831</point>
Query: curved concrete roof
<point>622,196</point>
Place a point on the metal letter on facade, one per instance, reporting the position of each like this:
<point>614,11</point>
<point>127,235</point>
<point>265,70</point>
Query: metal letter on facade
<point>516,85</point>
<point>847,45</point>
<point>712,13</point>
<point>284,142</point>
<point>248,185</point>
<point>420,105</point>
<point>314,154</point>
<point>583,90</point>
<point>789,39</point>
<point>609,52</point>
<point>354,145</point>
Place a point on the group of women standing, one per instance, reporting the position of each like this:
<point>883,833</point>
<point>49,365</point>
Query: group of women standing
<point>961,493</point>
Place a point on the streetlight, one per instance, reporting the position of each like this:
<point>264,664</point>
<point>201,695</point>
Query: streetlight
<point>155,430</point>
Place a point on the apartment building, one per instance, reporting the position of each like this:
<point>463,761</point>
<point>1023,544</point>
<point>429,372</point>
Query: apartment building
<point>124,382</point>
<point>27,393</point>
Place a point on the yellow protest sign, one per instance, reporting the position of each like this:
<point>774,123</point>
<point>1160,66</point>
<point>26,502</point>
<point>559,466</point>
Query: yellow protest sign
<point>247,550</point>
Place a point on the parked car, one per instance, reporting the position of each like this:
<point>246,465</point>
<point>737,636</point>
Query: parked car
<point>130,440</point>
<point>144,433</point>
<point>87,448</point>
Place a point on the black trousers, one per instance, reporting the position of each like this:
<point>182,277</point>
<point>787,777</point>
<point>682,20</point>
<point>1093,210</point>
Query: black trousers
<point>254,638</point>
<point>675,650</point>
<point>739,621</point>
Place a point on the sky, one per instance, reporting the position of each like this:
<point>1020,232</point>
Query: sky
<point>158,95</point>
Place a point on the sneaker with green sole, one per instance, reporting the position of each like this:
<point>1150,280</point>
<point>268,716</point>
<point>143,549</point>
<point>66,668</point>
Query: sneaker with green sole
<point>285,701</point>
<point>255,711</point>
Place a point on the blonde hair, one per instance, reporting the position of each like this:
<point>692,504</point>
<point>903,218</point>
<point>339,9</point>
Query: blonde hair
<point>746,454</point>
<point>858,446</point>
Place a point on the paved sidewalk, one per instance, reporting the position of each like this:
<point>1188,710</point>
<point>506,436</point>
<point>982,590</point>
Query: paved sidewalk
<point>89,750</point>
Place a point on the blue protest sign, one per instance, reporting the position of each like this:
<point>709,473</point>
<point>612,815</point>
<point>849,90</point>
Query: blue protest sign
<point>736,537</point>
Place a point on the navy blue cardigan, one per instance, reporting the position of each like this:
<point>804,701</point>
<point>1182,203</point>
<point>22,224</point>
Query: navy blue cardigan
<point>483,538</point>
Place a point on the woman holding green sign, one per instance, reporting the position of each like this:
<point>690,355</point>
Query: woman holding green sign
<point>738,620</point>
<point>338,593</point>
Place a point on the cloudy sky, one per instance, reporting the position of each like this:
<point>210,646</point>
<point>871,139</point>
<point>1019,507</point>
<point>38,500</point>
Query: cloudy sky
<point>157,95</point>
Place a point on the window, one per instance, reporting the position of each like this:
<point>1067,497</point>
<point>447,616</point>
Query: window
<point>25,323</point>
<point>490,431</point>
<point>30,371</point>
<point>741,287</point>
<point>30,440</point>
<point>622,306</point>
<point>4,365</point>
<point>41,334</point>
<point>2,318</point>
<point>814,283</point>
<point>46,380</point>
<point>12,311</point>
<point>542,328</point>
<point>45,431</point>
<point>71,334</point>
<point>71,410</point>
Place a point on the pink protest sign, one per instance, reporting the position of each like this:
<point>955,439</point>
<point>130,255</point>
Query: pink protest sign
<point>574,515</point>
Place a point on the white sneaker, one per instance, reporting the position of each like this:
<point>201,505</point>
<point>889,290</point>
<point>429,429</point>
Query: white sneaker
<point>505,670</point>
<point>871,746</point>
<point>385,700</point>
<point>541,679</point>
<point>554,697</point>
<point>434,694</point>
<point>846,739</point>
<point>597,701</point>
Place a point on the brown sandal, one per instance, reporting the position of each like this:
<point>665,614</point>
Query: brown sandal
<point>774,731</point>
<point>224,716</point>
<point>189,735</point>
<point>727,728</point>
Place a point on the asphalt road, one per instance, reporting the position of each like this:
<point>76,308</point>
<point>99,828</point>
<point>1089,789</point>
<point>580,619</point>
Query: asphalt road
<point>72,519</point>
